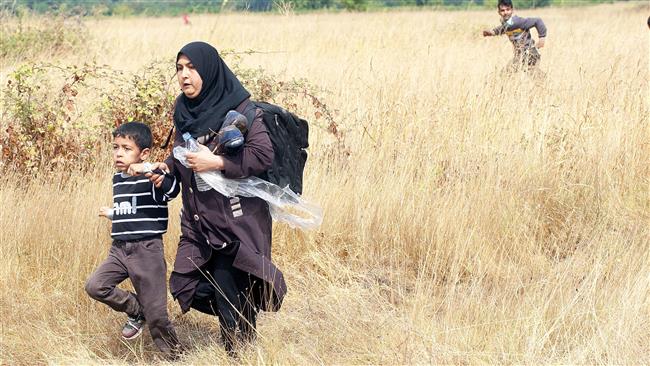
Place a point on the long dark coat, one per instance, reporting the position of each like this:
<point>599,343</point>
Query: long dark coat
<point>213,224</point>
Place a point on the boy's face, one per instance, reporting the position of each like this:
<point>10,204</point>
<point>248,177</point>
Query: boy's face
<point>505,12</point>
<point>126,152</point>
<point>189,78</point>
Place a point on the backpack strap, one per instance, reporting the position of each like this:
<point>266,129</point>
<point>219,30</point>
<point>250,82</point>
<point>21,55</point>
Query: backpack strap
<point>169,136</point>
<point>171,130</point>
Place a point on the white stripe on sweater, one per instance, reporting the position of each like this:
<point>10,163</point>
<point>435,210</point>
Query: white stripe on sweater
<point>173,186</point>
<point>132,194</point>
<point>140,232</point>
<point>145,219</point>
<point>136,182</point>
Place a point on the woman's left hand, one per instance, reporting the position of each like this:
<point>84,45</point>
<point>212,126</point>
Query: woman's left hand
<point>204,160</point>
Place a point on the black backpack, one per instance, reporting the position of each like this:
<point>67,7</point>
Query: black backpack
<point>289,135</point>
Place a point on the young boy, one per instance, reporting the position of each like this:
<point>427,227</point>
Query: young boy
<point>518,31</point>
<point>139,218</point>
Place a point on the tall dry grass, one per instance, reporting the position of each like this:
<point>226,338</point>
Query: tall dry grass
<point>479,218</point>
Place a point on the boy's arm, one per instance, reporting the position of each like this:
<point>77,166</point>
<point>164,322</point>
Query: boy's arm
<point>168,165</point>
<point>527,23</point>
<point>168,189</point>
<point>497,31</point>
<point>107,212</point>
<point>494,32</point>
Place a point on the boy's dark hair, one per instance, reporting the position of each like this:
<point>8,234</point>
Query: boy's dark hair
<point>136,131</point>
<point>507,3</point>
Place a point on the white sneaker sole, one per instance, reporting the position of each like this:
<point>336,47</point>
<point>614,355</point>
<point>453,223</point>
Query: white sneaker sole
<point>136,335</point>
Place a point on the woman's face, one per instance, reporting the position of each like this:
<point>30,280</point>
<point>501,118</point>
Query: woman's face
<point>188,78</point>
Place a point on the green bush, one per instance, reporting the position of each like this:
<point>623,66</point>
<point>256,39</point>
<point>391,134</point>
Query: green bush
<point>267,87</point>
<point>44,127</point>
<point>146,96</point>
<point>39,127</point>
<point>25,38</point>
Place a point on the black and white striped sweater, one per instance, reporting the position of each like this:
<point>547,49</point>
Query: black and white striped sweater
<point>139,208</point>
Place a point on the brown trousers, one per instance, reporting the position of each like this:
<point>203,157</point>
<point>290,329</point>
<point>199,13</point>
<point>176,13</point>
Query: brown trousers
<point>144,263</point>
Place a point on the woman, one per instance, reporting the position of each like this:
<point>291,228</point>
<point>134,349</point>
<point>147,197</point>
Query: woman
<point>223,264</point>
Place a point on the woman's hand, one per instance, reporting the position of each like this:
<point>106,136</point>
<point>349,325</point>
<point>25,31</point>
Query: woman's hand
<point>135,169</point>
<point>204,160</point>
<point>155,178</point>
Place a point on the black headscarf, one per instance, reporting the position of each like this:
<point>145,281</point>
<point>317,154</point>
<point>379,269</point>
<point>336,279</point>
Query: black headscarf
<point>221,92</point>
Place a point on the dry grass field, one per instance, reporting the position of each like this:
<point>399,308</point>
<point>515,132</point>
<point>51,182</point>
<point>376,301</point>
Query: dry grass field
<point>479,218</point>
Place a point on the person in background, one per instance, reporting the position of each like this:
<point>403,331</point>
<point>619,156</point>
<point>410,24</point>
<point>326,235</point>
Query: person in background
<point>526,54</point>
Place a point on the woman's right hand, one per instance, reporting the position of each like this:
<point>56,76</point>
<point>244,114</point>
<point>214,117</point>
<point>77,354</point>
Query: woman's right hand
<point>155,178</point>
<point>204,160</point>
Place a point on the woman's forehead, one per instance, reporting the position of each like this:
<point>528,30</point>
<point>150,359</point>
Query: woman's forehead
<point>183,59</point>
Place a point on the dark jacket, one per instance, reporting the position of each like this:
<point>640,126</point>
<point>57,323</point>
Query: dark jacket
<point>213,224</point>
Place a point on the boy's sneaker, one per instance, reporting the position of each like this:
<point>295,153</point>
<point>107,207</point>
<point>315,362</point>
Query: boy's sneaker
<point>133,327</point>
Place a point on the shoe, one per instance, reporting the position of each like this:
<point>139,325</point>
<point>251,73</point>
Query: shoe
<point>133,327</point>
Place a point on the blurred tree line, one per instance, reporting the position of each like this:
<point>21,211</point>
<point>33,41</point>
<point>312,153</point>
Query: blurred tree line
<point>176,7</point>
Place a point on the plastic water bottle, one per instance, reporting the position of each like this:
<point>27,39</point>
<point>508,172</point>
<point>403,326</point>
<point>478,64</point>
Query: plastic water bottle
<point>192,145</point>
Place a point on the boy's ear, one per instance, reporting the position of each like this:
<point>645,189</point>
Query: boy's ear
<point>144,154</point>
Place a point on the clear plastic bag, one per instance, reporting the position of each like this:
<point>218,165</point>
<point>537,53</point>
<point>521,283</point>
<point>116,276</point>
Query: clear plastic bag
<point>285,205</point>
<point>192,145</point>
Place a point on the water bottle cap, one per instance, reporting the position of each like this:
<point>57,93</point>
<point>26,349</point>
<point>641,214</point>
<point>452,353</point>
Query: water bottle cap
<point>187,136</point>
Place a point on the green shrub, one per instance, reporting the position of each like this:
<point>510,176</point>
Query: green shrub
<point>25,38</point>
<point>44,127</point>
<point>267,87</point>
<point>146,96</point>
<point>39,127</point>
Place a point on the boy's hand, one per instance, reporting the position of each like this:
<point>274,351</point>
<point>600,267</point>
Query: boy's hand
<point>487,33</point>
<point>105,212</point>
<point>204,160</point>
<point>540,43</point>
<point>156,175</point>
